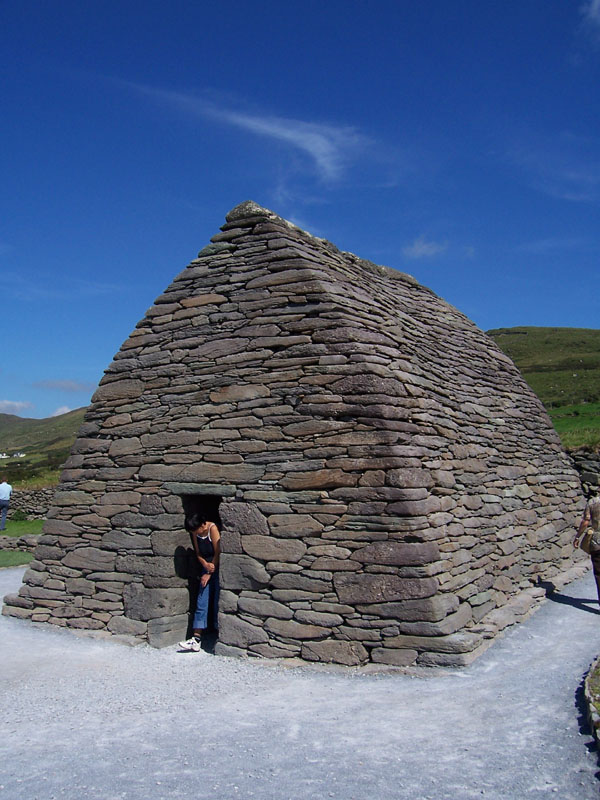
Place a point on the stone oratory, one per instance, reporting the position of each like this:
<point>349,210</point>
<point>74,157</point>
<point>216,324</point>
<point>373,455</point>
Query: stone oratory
<point>385,480</point>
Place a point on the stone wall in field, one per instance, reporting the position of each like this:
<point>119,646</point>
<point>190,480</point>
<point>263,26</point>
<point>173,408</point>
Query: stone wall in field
<point>587,464</point>
<point>34,503</point>
<point>24,544</point>
<point>384,479</point>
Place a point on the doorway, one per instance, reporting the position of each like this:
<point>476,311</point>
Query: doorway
<point>208,506</point>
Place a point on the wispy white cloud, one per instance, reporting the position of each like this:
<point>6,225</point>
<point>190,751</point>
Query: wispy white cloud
<point>65,385</point>
<point>14,406</point>
<point>554,244</point>
<point>565,166</point>
<point>331,148</point>
<point>590,13</point>
<point>37,287</point>
<point>422,248</point>
<point>60,411</point>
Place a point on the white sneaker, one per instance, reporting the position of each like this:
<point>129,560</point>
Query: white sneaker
<point>191,645</point>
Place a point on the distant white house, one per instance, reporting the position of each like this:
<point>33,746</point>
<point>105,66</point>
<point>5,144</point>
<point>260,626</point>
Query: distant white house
<point>4,455</point>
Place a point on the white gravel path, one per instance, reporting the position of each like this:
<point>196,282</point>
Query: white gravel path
<point>86,718</point>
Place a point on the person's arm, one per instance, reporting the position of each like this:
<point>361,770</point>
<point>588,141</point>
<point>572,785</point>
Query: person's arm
<point>212,566</point>
<point>583,525</point>
<point>215,538</point>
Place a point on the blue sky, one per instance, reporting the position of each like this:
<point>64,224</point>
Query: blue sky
<point>457,140</point>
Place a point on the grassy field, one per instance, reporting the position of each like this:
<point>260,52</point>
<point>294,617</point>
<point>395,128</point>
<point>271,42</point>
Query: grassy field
<point>562,366</point>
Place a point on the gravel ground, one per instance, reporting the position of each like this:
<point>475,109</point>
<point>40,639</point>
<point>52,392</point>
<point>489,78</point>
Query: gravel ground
<point>89,718</point>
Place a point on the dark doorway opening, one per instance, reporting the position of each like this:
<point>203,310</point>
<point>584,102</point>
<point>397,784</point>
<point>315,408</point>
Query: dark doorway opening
<point>208,505</point>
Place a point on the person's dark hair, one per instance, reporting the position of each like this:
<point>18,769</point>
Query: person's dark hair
<point>194,521</point>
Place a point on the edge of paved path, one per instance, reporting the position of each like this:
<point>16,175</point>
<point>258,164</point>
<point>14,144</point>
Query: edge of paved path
<point>592,698</point>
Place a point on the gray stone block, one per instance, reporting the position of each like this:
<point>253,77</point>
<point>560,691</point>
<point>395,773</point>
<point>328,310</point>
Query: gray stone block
<point>318,618</point>
<point>395,658</point>
<point>288,629</point>
<point>269,548</point>
<point>127,627</point>
<point>351,654</point>
<point>453,643</point>
<point>294,525</point>
<point>236,632</point>
<point>242,572</point>
<point>397,553</point>
<point>245,518</point>
<point>146,604</point>
<point>369,588</point>
<point>259,607</point>
<point>166,631</point>
<point>125,540</point>
<point>90,558</point>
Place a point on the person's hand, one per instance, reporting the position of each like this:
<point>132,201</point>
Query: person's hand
<point>210,567</point>
<point>204,579</point>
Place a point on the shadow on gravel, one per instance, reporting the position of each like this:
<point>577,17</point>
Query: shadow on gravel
<point>582,603</point>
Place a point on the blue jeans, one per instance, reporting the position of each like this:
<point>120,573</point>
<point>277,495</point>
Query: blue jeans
<point>205,595</point>
<point>3,512</point>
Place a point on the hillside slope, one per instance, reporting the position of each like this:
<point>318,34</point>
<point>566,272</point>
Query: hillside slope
<point>562,366</point>
<point>45,442</point>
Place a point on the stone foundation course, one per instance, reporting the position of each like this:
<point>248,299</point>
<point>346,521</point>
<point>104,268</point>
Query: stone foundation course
<point>383,477</point>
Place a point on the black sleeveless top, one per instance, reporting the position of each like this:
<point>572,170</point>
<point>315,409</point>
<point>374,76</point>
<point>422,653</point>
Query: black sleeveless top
<point>205,546</point>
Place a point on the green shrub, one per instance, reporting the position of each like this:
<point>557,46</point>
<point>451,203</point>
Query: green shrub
<point>18,516</point>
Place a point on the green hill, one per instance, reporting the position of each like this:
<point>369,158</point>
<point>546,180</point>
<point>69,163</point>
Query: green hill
<point>45,442</point>
<point>562,366</point>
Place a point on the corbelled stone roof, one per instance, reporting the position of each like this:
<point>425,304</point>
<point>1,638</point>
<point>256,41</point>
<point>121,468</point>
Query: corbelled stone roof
<point>388,486</point>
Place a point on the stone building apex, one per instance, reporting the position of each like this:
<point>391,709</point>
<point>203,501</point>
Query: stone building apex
<point>246,210</point>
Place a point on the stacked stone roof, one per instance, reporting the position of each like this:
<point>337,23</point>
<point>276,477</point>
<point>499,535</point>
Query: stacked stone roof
<point>384,478</point>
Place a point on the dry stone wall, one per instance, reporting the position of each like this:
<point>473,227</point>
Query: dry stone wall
<point>587,464</point>
<point>383,476</point>
<point>24,544</point>
<point>32,502</point>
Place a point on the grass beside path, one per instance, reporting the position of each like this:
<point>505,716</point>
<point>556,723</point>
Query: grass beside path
<point>14,558</point>
<point>23,528</point>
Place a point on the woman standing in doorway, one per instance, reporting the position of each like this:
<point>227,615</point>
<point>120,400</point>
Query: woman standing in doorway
<point>206,541</point>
